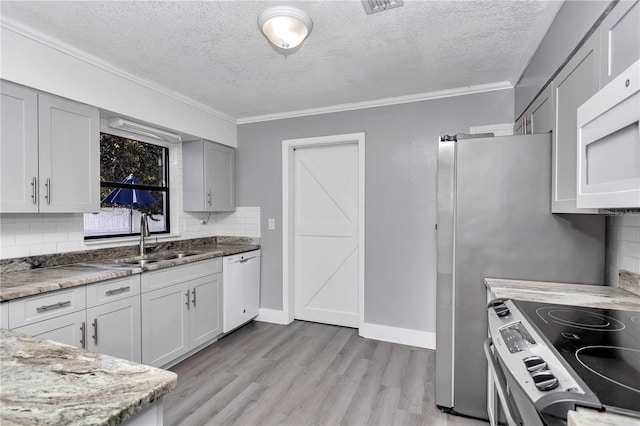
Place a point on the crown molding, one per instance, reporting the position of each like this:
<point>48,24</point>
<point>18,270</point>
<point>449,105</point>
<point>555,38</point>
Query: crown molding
<point>458,91</point>
<point>45,39</point>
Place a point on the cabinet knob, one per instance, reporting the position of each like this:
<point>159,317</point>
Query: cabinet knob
<point>627,83</point>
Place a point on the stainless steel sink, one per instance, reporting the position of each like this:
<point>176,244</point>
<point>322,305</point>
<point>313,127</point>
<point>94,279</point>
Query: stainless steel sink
<point>127,263</point>
<point>173,255</point>
<point>151,258</point>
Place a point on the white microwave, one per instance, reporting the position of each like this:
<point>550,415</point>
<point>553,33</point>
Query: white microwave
<point>609,145</point>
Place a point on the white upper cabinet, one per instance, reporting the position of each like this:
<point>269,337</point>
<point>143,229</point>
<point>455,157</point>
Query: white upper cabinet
<point>50,153</point>
<point>18,149</point>
<point>538,117</point>
<point>541,112</point>
<point>619,40</point>
<point>208,177</point>
<point>577,81</point>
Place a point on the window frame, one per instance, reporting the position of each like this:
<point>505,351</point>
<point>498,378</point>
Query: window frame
<point>166,189</point>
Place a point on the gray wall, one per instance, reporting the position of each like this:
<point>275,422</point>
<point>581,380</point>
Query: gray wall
<point>573,21</point>
<point>400,205</point>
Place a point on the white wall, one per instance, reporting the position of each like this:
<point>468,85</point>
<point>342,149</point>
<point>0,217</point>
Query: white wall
<point>33,59</point>
<point>623,246</point>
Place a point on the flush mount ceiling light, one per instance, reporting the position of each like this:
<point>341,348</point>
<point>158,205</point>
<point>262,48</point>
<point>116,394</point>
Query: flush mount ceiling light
<point>285,26</point>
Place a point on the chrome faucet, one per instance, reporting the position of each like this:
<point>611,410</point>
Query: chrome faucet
<point>144,232</point>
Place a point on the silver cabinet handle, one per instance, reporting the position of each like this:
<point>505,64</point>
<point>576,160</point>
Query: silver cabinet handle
<point>510,411</point>
<point>44,308</point>
<point>209,198</point>
<point>95,330</point>
<point>187,303</point>
<point>194,297</point>
<point>34,190</point>
<point>116,290</point>
<point>83,335</point>
<point>48,194</point>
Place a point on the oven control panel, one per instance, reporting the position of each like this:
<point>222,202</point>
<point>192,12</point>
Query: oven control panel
<point>524,356</point>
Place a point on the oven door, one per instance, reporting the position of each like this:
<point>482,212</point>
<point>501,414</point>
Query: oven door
<point>512,405</point>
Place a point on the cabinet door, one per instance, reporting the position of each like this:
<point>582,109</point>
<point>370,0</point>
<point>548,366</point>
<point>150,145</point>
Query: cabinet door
<point>575,83</point>
<point>69,156</point>
<point>518,127</point>
<point>165,327</point>
<point>18,149</point>
<point>114,329</point>
<point>68,329</point>
<point>619,40</point>
<point>219,177</point>
<point>541,112</point>
<point>206,314</point>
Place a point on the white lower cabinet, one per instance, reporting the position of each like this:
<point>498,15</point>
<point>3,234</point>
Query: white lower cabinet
<point>183,313</point>
<point>114,329</point>
<point>164,324</point>
<point>101,317</point>
<point>68,329</point>
<point>153,318</point>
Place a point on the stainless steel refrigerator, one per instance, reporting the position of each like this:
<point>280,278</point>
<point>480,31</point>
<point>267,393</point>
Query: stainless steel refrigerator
<point>495,220</point>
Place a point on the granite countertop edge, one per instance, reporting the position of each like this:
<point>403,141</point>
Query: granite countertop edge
<point>76,386</point>
<point>15,285</point>
<point>595,296</point>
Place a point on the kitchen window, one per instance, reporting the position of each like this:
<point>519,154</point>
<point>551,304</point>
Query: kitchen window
<point>134,179</point>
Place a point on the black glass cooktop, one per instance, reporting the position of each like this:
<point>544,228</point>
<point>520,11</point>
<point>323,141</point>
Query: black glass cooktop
<point>602,346</point>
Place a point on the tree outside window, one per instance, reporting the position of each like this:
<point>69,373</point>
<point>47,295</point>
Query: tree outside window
<point>134,179</point>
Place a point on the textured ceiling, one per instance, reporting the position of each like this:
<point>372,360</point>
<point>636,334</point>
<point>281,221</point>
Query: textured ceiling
<point>213,52</point>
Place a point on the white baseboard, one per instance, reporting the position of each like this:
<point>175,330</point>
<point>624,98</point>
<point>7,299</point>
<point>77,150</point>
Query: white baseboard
<point>403,336</point>
<point>272,315</point>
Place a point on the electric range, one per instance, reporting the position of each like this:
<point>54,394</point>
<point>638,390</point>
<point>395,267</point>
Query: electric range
<point>566,356</point>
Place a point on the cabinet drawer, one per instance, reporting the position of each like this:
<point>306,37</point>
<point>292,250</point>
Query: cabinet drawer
<point>68,329</point>
<point>153,280</point>
<point>32,309</point>
<point>110,290</point>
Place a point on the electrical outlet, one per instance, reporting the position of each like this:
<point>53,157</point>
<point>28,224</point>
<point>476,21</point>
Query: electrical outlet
<point>272,223</point>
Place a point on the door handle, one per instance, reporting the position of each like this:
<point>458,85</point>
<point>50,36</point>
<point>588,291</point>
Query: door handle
<point>187,303</point>
<point>58,305</point>
<point>95,330</point>
<point>209,198</point>
<point>34,190</point>
<point>116,290</point>
<point>194,296</point>
<point>47,195</point>
<point>83,335</point>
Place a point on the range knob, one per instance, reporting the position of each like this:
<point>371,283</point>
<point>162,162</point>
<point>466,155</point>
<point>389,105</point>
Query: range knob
<point>534,363</point>
<point>501,310</point>
<point>545,380</point>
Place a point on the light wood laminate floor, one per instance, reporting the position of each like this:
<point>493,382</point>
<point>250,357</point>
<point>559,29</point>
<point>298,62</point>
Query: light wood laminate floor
<point>306,374</point>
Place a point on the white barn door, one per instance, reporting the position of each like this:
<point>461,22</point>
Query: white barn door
<point>325,233</point>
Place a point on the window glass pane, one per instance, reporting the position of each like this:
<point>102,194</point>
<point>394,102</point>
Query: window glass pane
<point>128,168</point>
<point>120,157</point>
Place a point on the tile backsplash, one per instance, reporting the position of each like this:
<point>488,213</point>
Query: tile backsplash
<point>32,234</point>
<point>623,244</point>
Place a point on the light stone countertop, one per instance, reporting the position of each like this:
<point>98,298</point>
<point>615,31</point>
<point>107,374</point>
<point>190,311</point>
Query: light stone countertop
<point>45,382</point>
<point>14,285</point>
<point>592,296</point>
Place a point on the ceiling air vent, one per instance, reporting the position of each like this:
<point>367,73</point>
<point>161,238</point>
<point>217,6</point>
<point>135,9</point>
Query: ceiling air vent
<point>375,6</point>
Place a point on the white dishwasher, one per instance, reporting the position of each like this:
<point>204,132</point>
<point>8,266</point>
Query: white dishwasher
<point>240,289</point>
